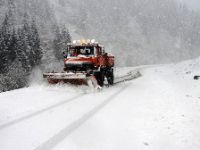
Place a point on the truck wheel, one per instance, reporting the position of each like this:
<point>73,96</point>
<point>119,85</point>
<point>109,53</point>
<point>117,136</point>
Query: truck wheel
<point>100,78</point>
<point>110,77</point>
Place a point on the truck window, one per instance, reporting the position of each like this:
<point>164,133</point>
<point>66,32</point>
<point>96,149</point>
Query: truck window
<point>81,50</point>
<point>99,51</point>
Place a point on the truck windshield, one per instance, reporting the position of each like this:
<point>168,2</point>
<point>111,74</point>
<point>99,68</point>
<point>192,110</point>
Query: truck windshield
<point>81,51</point>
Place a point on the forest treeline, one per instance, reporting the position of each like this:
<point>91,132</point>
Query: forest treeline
<point>21,49</point>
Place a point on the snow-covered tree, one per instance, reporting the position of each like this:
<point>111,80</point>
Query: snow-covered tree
<point>35,54</point>
<point>15,78</point>
<point>5,42</point>
<point>62,37</point>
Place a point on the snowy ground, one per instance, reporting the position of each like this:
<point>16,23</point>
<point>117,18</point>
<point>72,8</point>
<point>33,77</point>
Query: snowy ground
<point>159,110</point>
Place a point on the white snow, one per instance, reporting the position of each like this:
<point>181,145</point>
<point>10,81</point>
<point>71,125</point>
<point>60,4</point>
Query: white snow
<point>159,110</point>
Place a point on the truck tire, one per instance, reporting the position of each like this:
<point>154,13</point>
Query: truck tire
<point>99,77</point>
<point>110,77</point>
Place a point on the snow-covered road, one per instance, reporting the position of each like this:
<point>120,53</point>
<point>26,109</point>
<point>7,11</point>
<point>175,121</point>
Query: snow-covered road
<point>160,110</point>
<point>38,125</point>
<point>41,116</point>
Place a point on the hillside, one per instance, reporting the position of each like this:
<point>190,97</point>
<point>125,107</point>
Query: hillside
<point>143,32</point>
<point>150,31</point>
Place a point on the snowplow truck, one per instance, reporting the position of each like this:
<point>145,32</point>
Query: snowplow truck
<point>85,62</point>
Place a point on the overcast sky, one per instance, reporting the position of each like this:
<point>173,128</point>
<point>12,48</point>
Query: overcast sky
<point>192,3</point>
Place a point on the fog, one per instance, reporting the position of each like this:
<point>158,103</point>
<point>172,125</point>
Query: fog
<point>193,4</point>
<point>136,32</point>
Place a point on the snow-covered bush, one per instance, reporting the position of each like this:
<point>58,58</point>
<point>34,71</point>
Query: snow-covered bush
<point>15,78</point>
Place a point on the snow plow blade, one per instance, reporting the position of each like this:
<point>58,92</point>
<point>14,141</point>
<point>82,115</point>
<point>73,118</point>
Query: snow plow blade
<point>72,78</point>
<point>64,75</point>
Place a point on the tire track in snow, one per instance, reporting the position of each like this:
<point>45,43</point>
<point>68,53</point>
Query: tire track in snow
<point>60,136</point>
<point>134,74</point>
<point>18,120</point>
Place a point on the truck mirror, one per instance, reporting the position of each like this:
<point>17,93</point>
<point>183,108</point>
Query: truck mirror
<point>103,50</point>
<point>64,54</point>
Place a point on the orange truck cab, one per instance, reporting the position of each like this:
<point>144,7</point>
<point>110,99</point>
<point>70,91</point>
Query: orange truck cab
<point>89,56</point>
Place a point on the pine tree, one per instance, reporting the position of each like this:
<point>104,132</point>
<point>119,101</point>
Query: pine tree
<point>15,78</point>
<point>62,37</point>
<point>29,51</point>
<point>12,47</point>
<point>12,12</point>
<point>66,37</point>
<point>5,39</point>
<point>23,49</point>
<point>35,54</point>
<point>57,44</point>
